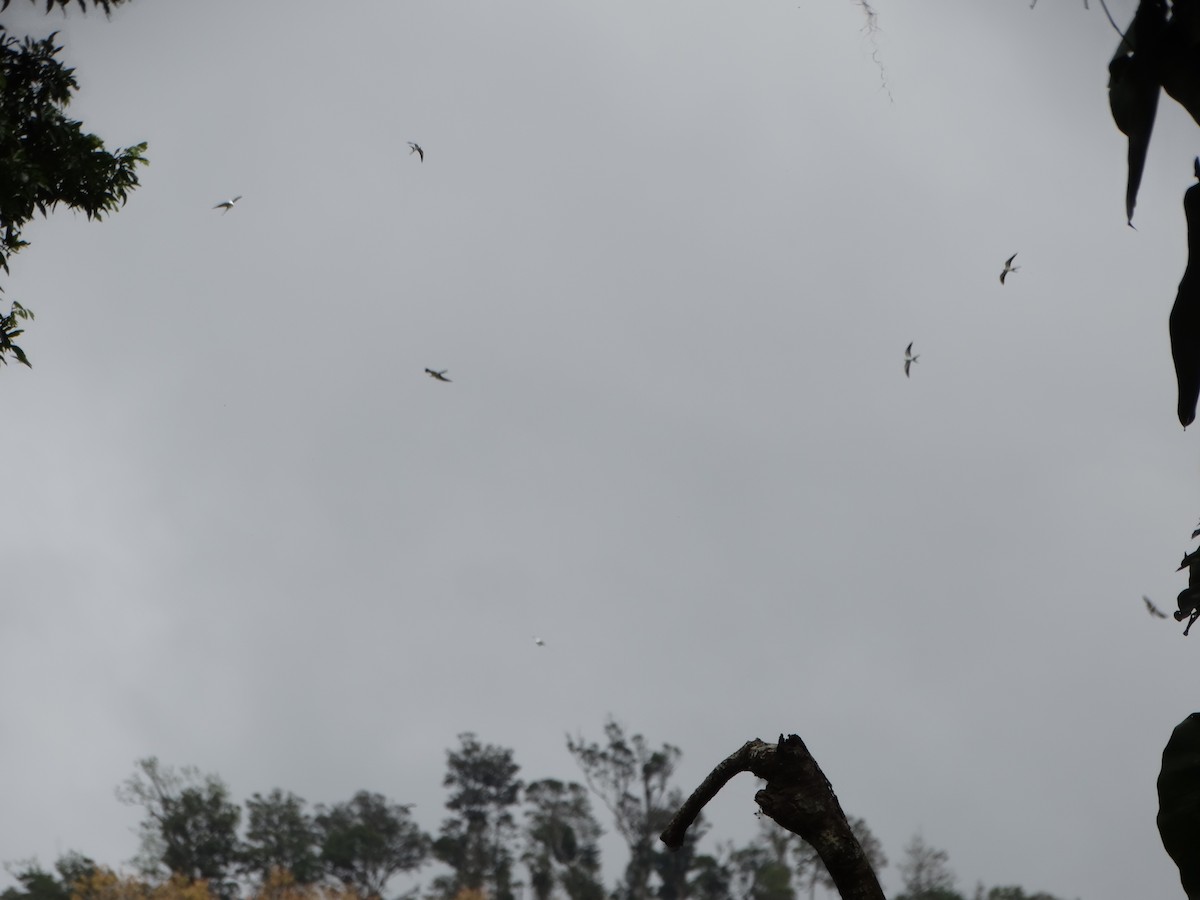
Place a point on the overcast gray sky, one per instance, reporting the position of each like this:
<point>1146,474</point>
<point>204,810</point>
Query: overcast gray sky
<point>671,253</point>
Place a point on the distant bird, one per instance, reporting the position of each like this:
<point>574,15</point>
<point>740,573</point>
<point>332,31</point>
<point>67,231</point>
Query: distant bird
<point>1185,314</point>
<point>226,205</point>
<point>1152,609</point>
<point>440,376</point>
<point>537,640</point>
<point>1008,267</point>
<point>416,148</point>
<point>909,359</point>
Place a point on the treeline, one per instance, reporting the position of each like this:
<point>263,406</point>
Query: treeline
<point>503,839</point>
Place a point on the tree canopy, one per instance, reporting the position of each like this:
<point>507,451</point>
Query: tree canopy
<point>633,780</point>
<point>369,840</point>
<point>504,838</point>
<point>47,159</point>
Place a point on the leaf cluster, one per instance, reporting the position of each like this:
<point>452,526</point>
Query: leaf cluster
<point>10,330</point>
<point>106,5</point>
<point>46,158</point>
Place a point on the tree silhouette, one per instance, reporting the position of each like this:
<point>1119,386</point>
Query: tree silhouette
<point>46,158</point>
<point>190,827</point>
<point>479,842</point>
<point>632,780</point>
<point>280,836</point>
<point>367,841</point>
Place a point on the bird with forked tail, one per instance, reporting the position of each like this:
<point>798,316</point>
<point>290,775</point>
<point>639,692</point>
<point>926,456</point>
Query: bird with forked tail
<point>1008,267</point>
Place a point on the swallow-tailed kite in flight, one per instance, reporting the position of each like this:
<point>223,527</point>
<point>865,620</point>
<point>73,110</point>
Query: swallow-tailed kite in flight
<point>226,205</point>
<point>440,376</point>
<point>909,359</point>
<point>1008,267</point>
<point>416,148</point>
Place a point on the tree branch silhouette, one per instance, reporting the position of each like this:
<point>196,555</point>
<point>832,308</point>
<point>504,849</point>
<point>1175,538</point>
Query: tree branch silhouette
<point>800,798</point>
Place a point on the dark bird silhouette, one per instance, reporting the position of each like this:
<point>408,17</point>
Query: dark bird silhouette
<point>1133,85</point>
<point>1008,267</point>
<point>1179,802</point>
<point>440,376</point>
<point>1152,609</point>
<point>909,359</point>
<point>1185,314</point>
<point>416,148</point>
<point>226,205</point>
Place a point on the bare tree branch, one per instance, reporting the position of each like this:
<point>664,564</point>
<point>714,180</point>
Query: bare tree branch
<point>800,798</point>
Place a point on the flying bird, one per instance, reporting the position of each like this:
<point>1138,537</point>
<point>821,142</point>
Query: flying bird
<point>537,640</point>
<point>440,376</point>
<point>1152,609</point>
<point>226,205</point>
<point>909,359</point>
<point>1008,267</point>
<point>1185,314</point>
<point>416,148</point>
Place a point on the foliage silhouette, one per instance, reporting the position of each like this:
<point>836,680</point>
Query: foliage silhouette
<point>46,158</point>
<point>367,841</point>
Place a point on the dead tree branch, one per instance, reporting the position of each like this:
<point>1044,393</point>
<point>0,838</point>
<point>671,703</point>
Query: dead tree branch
<point>798,797</point>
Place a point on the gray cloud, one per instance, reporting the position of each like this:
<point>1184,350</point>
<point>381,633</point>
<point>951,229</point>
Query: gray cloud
<point>671,255</point>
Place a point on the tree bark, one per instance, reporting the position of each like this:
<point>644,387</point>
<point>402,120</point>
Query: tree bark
<point>800,798</point>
